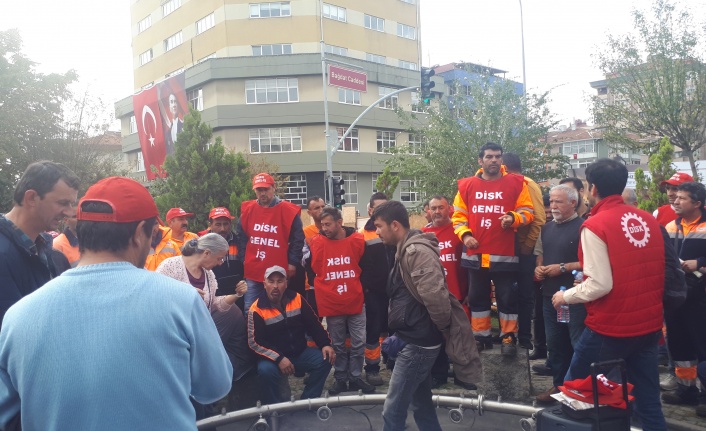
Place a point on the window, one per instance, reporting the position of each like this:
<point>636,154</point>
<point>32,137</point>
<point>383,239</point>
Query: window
<point>578,147</point>
<point>274,49</point>
<point>351,141</point>
<point>407,193</point>
<point>417,105</point>
<point>275,90</point>
<point>270,10</point>
<point>207,58</point>
<point>375,58</point>
<point>350,185</point>
<point>410,1</point>
<point>406,31</point>
<point>390,102</point>
<point>139,162</point>
<point>334,12</point>
<point>173,41</point>
<point>374,23</point>
<point>416,143</point>
<point>133,125</point>
<point>385,141</point>
<point>338,50</point>
<point>170,6</point>
<point>295,189</point>
<point>279,140</point>
<point>146,57</point>
<point>144,24</point>
<point>195,97</point>
<point>176,72</point>
<point>205,23</point>
<point>408,65</point>
<point>375,180</point>
<point>350,97</point>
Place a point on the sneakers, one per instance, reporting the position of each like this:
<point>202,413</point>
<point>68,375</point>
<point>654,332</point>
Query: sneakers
<point>668,382</point>
<point>546,396</point>
<point>509,345</point>
<point>338,387</point>
<point>374,378</point>
<point>542,370</point>
<point>684,395</point>
<point>358,383</point>
<point>484,343</point>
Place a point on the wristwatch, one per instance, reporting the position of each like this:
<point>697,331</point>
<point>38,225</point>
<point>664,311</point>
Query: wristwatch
<point>562,268</point>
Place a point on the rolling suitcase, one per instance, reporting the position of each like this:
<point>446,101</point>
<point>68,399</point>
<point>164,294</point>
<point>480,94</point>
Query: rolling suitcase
<point>599,418</point>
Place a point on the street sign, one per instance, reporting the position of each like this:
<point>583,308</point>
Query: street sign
<point>347,78</point>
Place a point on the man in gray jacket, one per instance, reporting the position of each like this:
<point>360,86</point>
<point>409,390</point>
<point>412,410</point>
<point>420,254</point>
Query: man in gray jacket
<point>422,313</point>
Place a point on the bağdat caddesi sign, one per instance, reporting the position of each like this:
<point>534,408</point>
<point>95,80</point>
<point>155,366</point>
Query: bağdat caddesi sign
<point>346,78</point>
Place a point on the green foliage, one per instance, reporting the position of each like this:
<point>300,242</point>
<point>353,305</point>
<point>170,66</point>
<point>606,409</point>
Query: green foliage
<point>202,176</point>
<point>649,194</point>
<point>656,83</point>
<point>452,136</point>
<point>387,182</point>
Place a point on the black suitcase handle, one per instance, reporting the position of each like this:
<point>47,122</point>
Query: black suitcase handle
<point>599,368</point>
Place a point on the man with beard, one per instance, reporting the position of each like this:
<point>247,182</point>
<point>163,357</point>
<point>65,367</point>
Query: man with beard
<point>230,272</point>
<point>489,207</point>
<point>108,333</point>
<point>335,259</point>
<point>666,213</point>
<point>177,220</point>
<point>269,233</point>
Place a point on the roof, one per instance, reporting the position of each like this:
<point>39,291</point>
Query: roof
<point>478,68</point>
<point>579,134</point>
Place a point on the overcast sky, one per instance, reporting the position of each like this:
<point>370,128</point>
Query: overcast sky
<point>93,37</point>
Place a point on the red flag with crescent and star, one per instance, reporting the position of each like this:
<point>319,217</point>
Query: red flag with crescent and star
<point>150,131</point>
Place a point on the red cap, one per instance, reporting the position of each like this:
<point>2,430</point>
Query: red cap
<point>177,212</point>
<point>678,178</point>
<point>262,180</point>
<point>220,212</point>
<point>129,199</point>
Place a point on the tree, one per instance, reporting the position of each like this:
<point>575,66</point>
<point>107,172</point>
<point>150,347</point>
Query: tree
<point>202,176</point>
<point>649,194</point>
<point>452,134</point>
<point>656,83</point>
<point>387,182</point>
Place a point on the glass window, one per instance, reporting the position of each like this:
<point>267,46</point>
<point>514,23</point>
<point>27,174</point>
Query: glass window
<point>375,180</point>
<point>133,125</point>
<point>410,1</point>
<point>195,97</point>
<point>351,141</point>
<point>173,41</point>
<point>336,13</point>
<point>385,141</point>
<point>273,90</point>
<point>417,105</point>
<point>146,57</point>
<point>375,58</point>
<point>275,140</point>
<point>407,193</point>
<point>408,65</point>
<point>390,102</point>
<point>205,23</point>
<point>406,31</point>
<point>350,186</point>
<point>273,49</point>
<point>176,72</point>
<point>350,97</point>
<point>295,189</point>
<point>338,50</point>
<point>170,6</point>
<point>416,143</point>
<point>144,24</point>
<point>270,10</point>
<point>374,23</point>
<point>139,162</point>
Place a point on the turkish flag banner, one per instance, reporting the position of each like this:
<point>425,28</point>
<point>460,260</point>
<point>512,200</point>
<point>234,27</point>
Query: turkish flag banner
<point>150,131</point>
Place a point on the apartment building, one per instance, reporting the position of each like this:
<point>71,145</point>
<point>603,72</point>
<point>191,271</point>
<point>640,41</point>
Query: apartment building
<point>254,71</point>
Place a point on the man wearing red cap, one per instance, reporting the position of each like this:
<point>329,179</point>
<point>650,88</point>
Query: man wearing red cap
<point>108,333</point>
<point>269,233</point>
<point>177,220</point>
<point>230,272</point>
<point>665,213</point>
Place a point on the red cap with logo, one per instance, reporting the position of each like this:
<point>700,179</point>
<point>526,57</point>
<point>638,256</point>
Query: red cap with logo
<point>678,178</point>
<point>220,212</point>
<point>262,180</point>
<point>129,200</point>
<point>178,212</point>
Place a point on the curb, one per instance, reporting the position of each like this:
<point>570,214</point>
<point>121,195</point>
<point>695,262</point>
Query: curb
<point>677,425</point>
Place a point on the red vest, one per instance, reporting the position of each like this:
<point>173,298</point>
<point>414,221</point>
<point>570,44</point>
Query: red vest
<point>451,249</point>
<point>267,229</point>
<point>636,251</point>
<point>337,267</point>
<point>665,214</point>
<point>486,202</point>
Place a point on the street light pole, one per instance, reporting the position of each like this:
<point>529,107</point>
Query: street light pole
<point>524,74</point>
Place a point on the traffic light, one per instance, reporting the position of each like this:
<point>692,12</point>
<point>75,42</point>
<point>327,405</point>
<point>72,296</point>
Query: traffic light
<point>427,84</point>
<point>338,192</point>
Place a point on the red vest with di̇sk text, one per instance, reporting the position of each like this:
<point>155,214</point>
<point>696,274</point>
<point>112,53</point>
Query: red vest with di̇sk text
<point>450,250</point>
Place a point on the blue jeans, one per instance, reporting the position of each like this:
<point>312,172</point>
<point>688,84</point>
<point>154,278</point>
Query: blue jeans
<point>309,361</point>
<point>640,355</point>
<point>562,337</point>
<point>410,384</point>
<point>255,288</point>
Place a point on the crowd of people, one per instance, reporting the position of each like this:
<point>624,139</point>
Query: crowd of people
<point>160,322</point>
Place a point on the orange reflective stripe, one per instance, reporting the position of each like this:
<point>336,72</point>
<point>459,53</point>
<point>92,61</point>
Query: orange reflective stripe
<point>508,326</point>
<point>480,324</point>
<point>685,373</point>
<point>372,354</point>
<point>311,343</point>
<point>485,261</point>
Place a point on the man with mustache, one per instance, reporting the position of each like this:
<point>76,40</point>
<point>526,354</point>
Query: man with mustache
<point>489,207</point>
<point>177,220</point>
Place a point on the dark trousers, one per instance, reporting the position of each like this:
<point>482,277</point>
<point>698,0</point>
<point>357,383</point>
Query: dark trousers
<point>480,303</point>
<point>440,369</point>
<point>562,337</point>
<point>540,338</point>
<point>525,293</point>
<point>376,304</point>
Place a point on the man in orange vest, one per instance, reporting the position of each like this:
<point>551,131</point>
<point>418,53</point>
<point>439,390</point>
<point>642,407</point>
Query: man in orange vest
<point>269,233</point>
<point>178,222</point>
<point>489,207</point>
<point>335,259</point>
<point>67,242</point>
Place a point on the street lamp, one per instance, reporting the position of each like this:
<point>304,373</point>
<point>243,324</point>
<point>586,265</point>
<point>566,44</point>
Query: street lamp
<point>524,74</point>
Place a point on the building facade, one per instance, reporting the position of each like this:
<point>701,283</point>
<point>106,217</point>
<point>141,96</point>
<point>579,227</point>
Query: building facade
<point>254,70</point>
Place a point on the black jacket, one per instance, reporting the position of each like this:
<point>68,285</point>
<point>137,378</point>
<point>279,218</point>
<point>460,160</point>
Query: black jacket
<point>376,263</point>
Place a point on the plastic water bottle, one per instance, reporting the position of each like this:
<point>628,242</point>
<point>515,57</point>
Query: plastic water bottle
<point>562,315</point>
<point>578,275</point>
